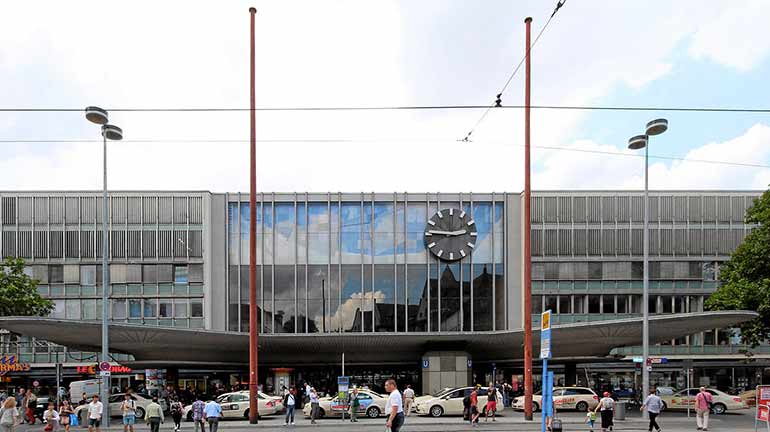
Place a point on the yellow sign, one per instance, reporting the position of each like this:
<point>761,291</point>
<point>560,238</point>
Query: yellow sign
<point>545,320</point>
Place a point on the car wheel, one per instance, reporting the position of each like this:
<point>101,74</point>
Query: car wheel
<point>139,413</point>
<point>436,411</point>
<point>373,412</point>
<point>321,412</point>
<point>535,407</point>
<point>664,406</point>
<point>246,414</point>
<point>720,408</point>
<point>581,406</point>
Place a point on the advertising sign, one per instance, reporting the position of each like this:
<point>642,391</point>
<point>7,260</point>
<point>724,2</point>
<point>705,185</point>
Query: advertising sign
<point>340,403</point>
<point>545,334</point>
<point>9,363</point>
<point>763,402</point>
<point>92,369</point>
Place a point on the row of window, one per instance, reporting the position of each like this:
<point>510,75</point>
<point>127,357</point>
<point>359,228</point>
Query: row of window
<point>625,270</point>
<point>613,286</point>
<point>89,275</point>
<point>162,243</point>
<point>122,309</point>
<point>615,304</point>
<point>24,210</point>
<point>625,207</point>
<point>569,241</point>
<point>120,290</point>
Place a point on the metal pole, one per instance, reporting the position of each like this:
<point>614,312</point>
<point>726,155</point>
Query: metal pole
<point>105,389</point>
<point>323,305</point>
<point>527,241</point>
<point>646,283</point>
<point>253,338</point>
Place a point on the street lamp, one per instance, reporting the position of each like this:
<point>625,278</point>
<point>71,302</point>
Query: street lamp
<point>654,127</point>
<point>113,133</point>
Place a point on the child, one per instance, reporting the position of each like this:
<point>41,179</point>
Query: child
<point>51,416</point>
<point>590,418</point>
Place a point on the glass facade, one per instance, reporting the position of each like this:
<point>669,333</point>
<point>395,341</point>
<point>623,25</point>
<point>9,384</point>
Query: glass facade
<point>361,265</point>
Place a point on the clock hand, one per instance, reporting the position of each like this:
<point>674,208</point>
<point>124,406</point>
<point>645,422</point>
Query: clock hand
<point>448,233</point>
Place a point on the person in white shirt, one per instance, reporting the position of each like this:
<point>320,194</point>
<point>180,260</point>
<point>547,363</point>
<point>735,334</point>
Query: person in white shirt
<point>95,409</point>
<point>51,416</point>
<point>394,407</point>
<point>408,399</point>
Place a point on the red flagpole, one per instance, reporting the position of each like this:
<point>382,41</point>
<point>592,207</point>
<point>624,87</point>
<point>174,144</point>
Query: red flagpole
<point>253,336</point>
<point>527,240</point>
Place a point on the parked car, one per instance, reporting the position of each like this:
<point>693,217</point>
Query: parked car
<point>684,398</point>
<point>141,399</point>
<point>577,398</point>
<point>236,405</point>
<point>451,402</point>
<point>371,404</point>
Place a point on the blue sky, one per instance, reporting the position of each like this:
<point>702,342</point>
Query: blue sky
<point>335,53</point>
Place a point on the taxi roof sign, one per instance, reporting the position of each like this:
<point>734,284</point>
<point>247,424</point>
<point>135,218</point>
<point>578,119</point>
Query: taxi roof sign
<point>545,320</point>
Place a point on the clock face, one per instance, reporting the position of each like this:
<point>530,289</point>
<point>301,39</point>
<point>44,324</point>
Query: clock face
<point>450,234</point>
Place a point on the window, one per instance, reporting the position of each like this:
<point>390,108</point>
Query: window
<point>622,304</point>
<point>180,308</point>
<point>593,304</point>
<point>56,274</point>
<point>594,270</point>
<point>150,308</point>
<point>565,304</point>
<point>196,308</point>
<point>88,275</point>
<point>150,273</point>
<point>164,308</point>
<point>118,309</point>
<point>71,274</point>
<point>608,304</point>
<point>550,303</point>
<point>135,308</point>
<point>579,304</point>
<point>180,274</point>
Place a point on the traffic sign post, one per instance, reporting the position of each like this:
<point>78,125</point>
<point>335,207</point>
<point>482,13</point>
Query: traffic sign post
<point>547,377</point>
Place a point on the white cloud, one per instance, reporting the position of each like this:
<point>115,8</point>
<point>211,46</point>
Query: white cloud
<point>625,170</point>
<point>738,37</point>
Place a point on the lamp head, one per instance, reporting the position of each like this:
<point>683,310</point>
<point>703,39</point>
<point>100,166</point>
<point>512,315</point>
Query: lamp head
<point>637,142</point>
<point>657,126</point>
<point>112,132</point>
<point>97,115</point>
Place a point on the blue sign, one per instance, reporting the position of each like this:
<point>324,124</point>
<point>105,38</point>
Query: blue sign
<point>426,363</point>
<point>470,363</point>
<point>545,335</point>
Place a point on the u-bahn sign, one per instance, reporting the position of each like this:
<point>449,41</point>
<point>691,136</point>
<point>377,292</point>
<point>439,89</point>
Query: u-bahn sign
<point>10,363</point>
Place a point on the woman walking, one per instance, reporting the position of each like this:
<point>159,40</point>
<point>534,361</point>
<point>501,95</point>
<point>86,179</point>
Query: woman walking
<point>9,415</point>
<point>176,414</point>
<point>64,415</point>
<point>607,409</point>
<point>290,401</point>
<point>313,405</point>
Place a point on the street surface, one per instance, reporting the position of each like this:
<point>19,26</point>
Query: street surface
<point>511,421</point>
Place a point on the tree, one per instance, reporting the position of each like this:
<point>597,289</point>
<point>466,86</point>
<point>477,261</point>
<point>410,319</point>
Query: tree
<point>18,291</point>
<point>746,276</point>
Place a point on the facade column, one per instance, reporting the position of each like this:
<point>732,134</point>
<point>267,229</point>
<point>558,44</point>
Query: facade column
<point>570,374</point>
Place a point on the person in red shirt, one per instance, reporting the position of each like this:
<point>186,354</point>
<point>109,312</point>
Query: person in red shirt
<point>703,403</point>
<point>475,406</point>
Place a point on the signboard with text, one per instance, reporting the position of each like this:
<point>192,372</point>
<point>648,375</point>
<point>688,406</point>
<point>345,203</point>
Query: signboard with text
<point>763,402</point>
<point>545,334</point>
<point>93,369</point>
<point>10,363</point>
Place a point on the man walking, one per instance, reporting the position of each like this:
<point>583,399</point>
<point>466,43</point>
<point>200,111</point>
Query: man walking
<point>128,408</point>
<point>703,403</point>
<point>313,405</point>
<point>211,413</point>
<point>95,410</point>
<point>354,403</point>
<point>653,405</point>
<point>408,399</point>
<point>197,409</point>
<point>290,401</point>
<point>394,407</point>
<point>154,414</point>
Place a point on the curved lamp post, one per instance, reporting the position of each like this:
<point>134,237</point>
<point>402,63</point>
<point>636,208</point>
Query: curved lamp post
<point>110,132</point>
<point>654,127</point>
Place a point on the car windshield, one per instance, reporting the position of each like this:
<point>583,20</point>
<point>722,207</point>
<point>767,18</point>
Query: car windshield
<point>442,392</point>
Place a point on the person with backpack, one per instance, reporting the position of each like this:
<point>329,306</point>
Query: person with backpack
<point>176,414</point>
<point>9,415</point>
<point>703,403</point>
<point>491,403</point>
<point>128,409</point>
<point>607,409</point>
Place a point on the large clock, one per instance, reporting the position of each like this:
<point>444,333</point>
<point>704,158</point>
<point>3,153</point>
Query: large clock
<point>450,234</point>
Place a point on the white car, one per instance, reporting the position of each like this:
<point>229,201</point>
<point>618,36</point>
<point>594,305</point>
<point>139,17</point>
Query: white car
<point>451,402</point>
<point>236,405</point>
<point>141,399</point>
<point>371,404</point>
<point>577,398</point>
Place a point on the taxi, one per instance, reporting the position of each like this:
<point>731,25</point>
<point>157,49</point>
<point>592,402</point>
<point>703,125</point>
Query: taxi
<point>686,398</point>
<point>577,398</point>
<point>236,405</point>
<point>371,404</point>
<point>450,402</point>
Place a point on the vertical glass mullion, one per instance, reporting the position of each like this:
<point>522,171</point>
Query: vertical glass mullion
<point>361,253</point>
<point>472,275</point>
<point>427,261</point>
<point>240,261</point>
<point>307,263</point>
<point>296,258</point>
<point>494,270</point>
<point>371,252</point>
<point>395,264</point>
<point>272,261</point>
<point>438,274</point>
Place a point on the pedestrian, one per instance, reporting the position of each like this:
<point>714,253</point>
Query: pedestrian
<point>83,399</point>
<point>590,418</point>
<point>703,402</point>
<point>408,399</point>
<point>9,415</point>
<point>153,414</point>
<point>354,403</point>
<point>128,409</point>
<point>95,409</point>
<point>313,405</point>
<point>51,416</point>
<point>211,413</point>
<point>31,405</point>
<point>306,396</point>
<point>290,402</point>
<point>491,403</point>
<point>474,400</point>
<point>394,407</point>
<point>653,405</point>
<point>65,413</point>
<point>176,413</point>
<point>197,410</point>
<point>606,407</point>
<point>21,401</point>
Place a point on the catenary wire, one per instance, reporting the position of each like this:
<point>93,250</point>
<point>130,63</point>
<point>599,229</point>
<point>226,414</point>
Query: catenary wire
<point>376,140</point>
<point>498,101</point>
<point>415,108</point>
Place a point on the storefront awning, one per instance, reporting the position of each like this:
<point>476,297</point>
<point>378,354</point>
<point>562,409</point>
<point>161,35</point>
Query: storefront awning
<point>162,346</point>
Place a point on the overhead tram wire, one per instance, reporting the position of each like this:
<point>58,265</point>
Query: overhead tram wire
<point>403,140</point>
<point>416,108</point>
<point>498,100</point>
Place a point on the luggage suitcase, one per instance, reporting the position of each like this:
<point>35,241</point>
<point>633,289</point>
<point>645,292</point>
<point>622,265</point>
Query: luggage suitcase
<point>556,425</point>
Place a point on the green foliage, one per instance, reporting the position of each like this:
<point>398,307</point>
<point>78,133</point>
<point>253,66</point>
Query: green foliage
<point>18,291</point>
<point>746,276</point>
